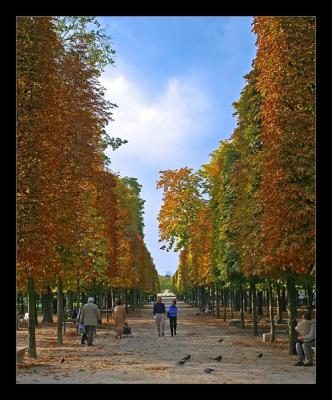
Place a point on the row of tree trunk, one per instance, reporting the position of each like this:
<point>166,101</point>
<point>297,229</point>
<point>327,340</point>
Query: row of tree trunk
<point>67,302</point>
<point>227,300</point>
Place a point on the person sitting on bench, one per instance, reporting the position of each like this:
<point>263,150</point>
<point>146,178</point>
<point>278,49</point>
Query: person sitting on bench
<point>305,343</point>
<point>207,309</point>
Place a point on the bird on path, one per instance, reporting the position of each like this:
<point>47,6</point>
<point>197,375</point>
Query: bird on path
<point>260,355</point>
<point>187,357</point>
<point>208,370</point>
<point>221,340</point>
<point>63,360</point>
<point>217,358</point>
<point>182,362</point>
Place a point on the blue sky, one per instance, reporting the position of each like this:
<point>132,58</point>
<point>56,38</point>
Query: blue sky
<point>174,80</point>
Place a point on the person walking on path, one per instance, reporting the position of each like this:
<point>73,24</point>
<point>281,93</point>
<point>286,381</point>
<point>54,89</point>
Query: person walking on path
<point>89,316</point>
<point>172,314</point>
<point>119,316</point>
<point>159,312</point>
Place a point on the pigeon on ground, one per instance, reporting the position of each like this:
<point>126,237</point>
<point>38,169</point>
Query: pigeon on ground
<point>218,358</point>
<point>221,340</point>
<point>182,362</point>
<point>260,355</point>
<point>63,360</point>
<point>208,370</point>
<point>187,357</point>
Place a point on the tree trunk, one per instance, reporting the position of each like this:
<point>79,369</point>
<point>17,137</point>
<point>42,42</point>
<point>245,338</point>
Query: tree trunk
<point>59,312</point>
<point>237,300</point>
<point>254,309</point>
<point>245,301</point>
<point>260,303</point>
<point>36,309</point>
<point>279,304</point>
<point>225,290</point>
<point>107,304</point>
<point>202,297</point>
<point>47,306</point>
<point>132,299</point>
<point>273,335</point>
<point>267,303</point>
<point>231,298</point>
<point>138,298</point>
<point>69,303</point>
<point>32,319</point>
<point>310,301</point>
<point>241,293</point>
<point>292,312</point>
<point>218,300</point>
<point>250,302</point>
<point>283,299</point>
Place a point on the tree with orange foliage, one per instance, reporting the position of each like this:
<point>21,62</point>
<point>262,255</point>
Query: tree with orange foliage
<point>285,64</point>
<point>37,49</point>
<point>184,221</point>
<point>60,117</point>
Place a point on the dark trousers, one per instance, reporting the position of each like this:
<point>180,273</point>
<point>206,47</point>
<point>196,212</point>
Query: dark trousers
<point>172,324</point>
<point>88,334</point>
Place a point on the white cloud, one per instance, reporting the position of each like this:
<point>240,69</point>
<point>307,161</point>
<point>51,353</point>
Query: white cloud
<point>158,128</point>
<point>162,129</point>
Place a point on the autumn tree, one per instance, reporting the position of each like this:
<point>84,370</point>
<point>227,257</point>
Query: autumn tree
<point>181,201</point>
<point>285,63</point>
<point>60,138</point>
<point>185,223</point>
<point>37,78</point>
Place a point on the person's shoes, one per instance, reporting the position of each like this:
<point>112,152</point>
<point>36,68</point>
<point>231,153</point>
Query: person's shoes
<point>308,364</point>
<point>89,344</point>
<point>171,334</point>
<point>298,363</point>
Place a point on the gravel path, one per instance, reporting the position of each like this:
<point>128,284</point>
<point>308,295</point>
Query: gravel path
<point>147,358</point>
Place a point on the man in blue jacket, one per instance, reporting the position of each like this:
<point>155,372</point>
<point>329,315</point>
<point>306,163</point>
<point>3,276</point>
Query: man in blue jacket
<point>159,312</point>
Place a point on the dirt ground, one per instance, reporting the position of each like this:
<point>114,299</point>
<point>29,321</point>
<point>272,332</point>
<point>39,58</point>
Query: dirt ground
<point>147,358</point>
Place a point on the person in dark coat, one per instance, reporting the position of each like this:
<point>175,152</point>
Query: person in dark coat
<point>159,312</point>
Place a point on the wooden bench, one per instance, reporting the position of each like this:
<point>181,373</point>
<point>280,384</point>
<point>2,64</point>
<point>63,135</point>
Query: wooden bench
<point>20,354</point>
<point>235,322</point>
<point>283,332</point>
